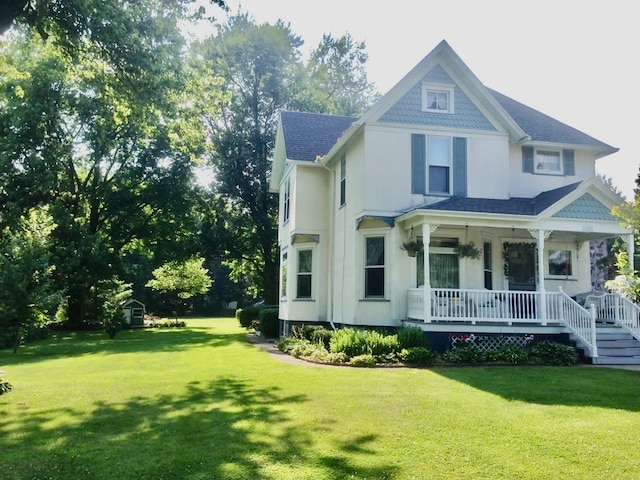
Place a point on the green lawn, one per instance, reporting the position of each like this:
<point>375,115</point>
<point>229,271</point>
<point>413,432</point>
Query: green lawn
<point>202,403</point>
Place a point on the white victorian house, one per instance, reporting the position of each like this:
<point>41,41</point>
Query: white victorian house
<point>449,206</point>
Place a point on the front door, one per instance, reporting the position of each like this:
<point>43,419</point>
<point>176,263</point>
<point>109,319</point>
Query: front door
<point>520,265</point>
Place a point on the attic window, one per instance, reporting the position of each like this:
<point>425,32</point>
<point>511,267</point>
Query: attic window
<point>437,98</point>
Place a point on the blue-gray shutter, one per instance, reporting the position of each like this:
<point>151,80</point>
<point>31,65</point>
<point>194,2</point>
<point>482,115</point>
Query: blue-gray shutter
<point>460,166</point>
<point>527,159</point>
<point>568,157</point>
<point>418,164</point>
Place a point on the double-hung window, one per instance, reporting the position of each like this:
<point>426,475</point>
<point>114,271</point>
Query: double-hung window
<point>439,160</point>
<point>374,267</point>
<point>305,263</point>
<point>437,98</point>
<point>548,161</point>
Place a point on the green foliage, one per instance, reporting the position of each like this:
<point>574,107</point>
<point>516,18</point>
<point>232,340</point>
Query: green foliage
<point>409,337</point>
<point>169,324</point>
<point>181,280</point>
<point>627,283</point>
<point>5,386</point>
<point>364,360</point>
<point>112,294</point>
<point>313,333</point>
<point>269,322</point>
<point>27,292</point>
<point>354,341</point>
<point>509,354</point>
<point>247,315</point>
<point>418,356</point>
<point>553,353</point>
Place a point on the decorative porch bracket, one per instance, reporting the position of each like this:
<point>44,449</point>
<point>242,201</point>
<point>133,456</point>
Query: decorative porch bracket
<point>540,236</point>
<point>427,230</point>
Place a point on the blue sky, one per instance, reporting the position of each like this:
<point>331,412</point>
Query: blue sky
<point>576,61</point>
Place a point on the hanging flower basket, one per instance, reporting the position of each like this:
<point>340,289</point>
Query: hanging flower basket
<point>467,250</point>
<point>412,247</point>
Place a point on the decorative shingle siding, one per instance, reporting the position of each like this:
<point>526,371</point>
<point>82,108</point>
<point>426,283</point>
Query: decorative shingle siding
<point>408,110</point>
<point>586,208</point>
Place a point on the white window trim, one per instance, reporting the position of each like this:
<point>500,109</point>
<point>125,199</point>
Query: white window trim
<point>286,201</point>
<point>449,166</point>
<point>284,280</point>
<point>545,171</point>
<point>312,249</point>
<point>375,233</point>
<point>573,257</point>
<point>441,88</point>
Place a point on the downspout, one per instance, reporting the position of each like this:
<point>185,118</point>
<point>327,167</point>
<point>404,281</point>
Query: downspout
<point>331,247</point>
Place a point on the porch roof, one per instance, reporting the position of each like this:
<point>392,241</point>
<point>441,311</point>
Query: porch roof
<point>511,206</point>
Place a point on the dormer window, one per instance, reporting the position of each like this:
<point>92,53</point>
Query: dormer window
<point>437,98</point>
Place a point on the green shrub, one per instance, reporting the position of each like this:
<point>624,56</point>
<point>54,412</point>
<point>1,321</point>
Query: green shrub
<point>510,354</point>
<point>451,357</point>
<point>353,342</point>
<point>553,353</point>
<point>322,335</point>
<point>247,314</point>
<point>409,337</point>
<point>365,360</point>
<point>418,356</point>
<point>170,324</point>
<point>269,322</point>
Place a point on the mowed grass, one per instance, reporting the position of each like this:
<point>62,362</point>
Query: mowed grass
<point>203,403</point>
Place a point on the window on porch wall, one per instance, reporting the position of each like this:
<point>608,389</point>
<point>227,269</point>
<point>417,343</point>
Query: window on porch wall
<point>444,268</point>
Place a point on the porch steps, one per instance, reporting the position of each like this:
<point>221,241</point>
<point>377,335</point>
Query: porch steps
<point>616,346</point>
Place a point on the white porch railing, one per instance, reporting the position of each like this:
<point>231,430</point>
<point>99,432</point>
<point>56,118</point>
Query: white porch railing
<point>465,305</point>
<point>506,307</point>
<point>612,307</point>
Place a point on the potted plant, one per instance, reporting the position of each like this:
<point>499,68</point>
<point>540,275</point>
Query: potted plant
<point>412,247</point>
<point>468,250</point>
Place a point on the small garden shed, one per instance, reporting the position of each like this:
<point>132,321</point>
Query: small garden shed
<point>133,312</point>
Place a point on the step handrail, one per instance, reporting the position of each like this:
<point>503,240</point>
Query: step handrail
<point>580,321</point>
<point>628,316</point>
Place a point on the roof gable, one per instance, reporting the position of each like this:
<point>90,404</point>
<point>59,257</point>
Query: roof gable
<point>408,109</point>
<point>586,207</point>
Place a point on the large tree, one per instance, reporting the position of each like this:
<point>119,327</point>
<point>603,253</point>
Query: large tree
<point>105,137</point>
<point>263,71</point>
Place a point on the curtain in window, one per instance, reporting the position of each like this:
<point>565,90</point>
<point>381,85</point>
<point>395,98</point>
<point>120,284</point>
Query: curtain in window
<point>445,270</point>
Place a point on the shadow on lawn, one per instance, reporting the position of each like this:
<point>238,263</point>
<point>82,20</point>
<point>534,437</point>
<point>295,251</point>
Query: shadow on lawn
<point>571,386</point>
<point>69,343</point>
<point>223,430</point>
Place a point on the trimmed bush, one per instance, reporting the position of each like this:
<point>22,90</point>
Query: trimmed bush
<point>5,386</point>
<point>553,353</point>
<point>365,360</point>
<point>247,314</point>
<point>269,322</point>
<point>354,342</point>
<point>418,356</point>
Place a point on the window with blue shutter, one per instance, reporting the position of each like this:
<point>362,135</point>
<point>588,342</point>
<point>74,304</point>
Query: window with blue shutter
<point>527,159</point>
<point>418,164</point>
<point>568,157</point>
<point>460,166</point>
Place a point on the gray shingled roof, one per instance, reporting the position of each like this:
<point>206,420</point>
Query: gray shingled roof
<point>308,135</point>
<point>543,128</point>
<point>512,206</point>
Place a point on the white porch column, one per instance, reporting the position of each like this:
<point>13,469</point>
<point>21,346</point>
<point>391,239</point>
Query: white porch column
<point>427,230</point>
<point>540,236</point>
<point>630,241</point>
